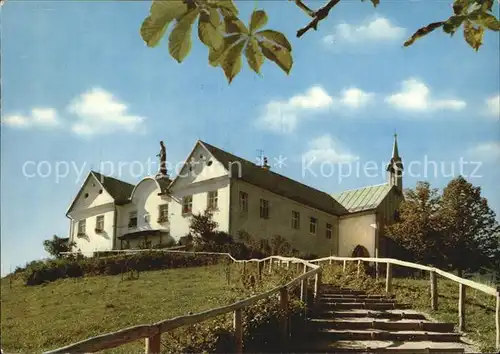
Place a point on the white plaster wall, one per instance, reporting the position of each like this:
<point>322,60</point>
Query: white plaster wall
<point>280,220</point>
<point>94,242</point>
<point>357,230</point>
<point>179,225</point>
<point>98,202</point>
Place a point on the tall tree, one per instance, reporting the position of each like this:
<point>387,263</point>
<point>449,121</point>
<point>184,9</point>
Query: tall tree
<point>228,38</point>
<point>471,232</point>
<point>417,230</point>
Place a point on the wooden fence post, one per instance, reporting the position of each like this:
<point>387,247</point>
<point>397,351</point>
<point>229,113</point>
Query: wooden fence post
<point>461,308</point>
<point>434,291</point>
<point>498,318</point>
<point>388,279</point>
<point>284,308</point>
<point>303,287</point>
<point>238,331</point>
<point>359,266</point>
<point>317,284</point>
<point>345,266</point>
<point>330,262</point>
<point>259,269</point>
<point>153,344</point>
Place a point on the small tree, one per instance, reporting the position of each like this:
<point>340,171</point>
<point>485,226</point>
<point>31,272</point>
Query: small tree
<point>203,228</point>
<point>471,232</point>
<point>57,245</point>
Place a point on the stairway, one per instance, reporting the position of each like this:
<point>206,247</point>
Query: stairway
<point>350,321</point>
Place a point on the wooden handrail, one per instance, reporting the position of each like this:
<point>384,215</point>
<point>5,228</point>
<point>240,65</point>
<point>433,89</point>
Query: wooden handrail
<point>433,285</point>
<point>131,334</point>
<point>481,287</point>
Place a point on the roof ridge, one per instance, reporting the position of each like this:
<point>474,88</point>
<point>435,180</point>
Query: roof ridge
<point>111,177</point>
<point>355,189</point>
<point>267,170</point>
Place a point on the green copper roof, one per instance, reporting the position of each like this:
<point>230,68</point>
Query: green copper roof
<point>365,198</point>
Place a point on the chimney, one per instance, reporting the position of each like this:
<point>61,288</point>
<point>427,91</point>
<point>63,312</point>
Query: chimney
<point>266,165</point>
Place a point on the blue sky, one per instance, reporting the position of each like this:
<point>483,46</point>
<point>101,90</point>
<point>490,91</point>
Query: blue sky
<point>80,87</point>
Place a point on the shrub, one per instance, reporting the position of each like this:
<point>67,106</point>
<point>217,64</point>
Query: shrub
<point>46,271</point>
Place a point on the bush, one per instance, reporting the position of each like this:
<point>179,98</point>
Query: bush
<point>46,271</point>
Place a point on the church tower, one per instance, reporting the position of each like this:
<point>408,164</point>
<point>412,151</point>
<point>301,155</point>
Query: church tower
<point>395,167</point>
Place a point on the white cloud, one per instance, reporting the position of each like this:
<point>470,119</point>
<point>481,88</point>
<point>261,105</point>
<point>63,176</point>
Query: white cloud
<point>493,106</point>
<point>39,117</point>
<point>98,112</point>
<point>416,96</point>
<point>327,149</point>
<point>355,98</point>
<point>284,116</point>
<point>379,29</point>
<point>486,151</point>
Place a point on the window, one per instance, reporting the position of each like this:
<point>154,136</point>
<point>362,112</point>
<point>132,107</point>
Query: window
<point>295,220</point>
<point>187,204</point>
<point>264,209</point>
<point>328,231</point>
<point>132,219</point>
<point>82,227</point>
<point>99,223</point>
<point>243,202</point>
<point>212,200</point>
<point>147,218</point>
<point>163,213</point>
<point>313,225</point>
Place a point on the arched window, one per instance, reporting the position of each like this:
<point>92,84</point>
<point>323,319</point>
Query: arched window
<point>360,251</point>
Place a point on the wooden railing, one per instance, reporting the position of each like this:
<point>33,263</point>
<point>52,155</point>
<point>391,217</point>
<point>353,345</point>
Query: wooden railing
<point>152,332</point>
<point>463,284</point>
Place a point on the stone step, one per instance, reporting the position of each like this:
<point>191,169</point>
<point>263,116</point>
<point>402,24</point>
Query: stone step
<point>355,299</point>
<point>325,306</point>
<point>388,314</point>
<point>348,346</point>
<point>383,325</point>
<point>341,291</point>
<point>334,334</point>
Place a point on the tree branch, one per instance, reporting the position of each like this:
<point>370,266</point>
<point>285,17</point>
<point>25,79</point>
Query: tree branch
<point>319,15</point>
<point>304,7</point>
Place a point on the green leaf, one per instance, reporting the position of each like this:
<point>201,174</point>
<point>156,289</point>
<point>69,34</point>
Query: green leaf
<point>234,25</point>
<point>473,35</point>
<point>460,7</point>
<point>422,32</point>
<point>453,23</point>
<point>485,19</point>
<point>227,7</point>
<point>179,42</point>
<point>209,29</point>
<point>487,5</point>
<point>255,58</point>
<point>215,55</point>
<point>257,20</point>
<point>161,14</point>
<point>231,63</point>
<point>276,37</point>
<point>278,54</point>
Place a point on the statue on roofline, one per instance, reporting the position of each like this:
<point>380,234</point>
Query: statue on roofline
<point>163,161</point>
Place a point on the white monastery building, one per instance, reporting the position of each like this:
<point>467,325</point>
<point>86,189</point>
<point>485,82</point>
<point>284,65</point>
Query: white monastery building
<point>110,214</point>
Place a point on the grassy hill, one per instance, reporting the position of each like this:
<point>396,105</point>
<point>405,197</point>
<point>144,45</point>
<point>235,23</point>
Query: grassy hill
<point>44,317</point>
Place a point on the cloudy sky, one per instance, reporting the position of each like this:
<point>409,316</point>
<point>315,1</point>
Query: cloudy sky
<point>81,91</point>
